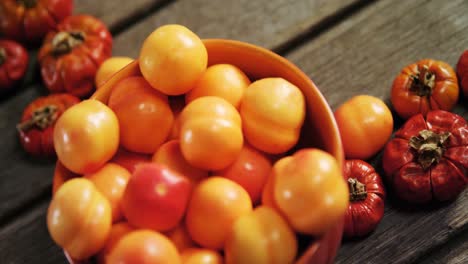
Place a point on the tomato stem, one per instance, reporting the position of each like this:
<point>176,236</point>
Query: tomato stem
<point>41,118</point>
<point>27,3</point>
<point>65,41</point>
<point>357,190</point>
<point>3,55</point>
<point>430,146</point>
<point>423,81</point>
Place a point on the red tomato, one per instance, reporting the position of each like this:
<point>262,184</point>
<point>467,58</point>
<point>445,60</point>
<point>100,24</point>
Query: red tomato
<point>71,54</point>
<point>13,64</point>
<point>424,86</point>
<point>462,72</point>
<point>129,160</point>
<point>145,117</point>
<point>155,197</point>
<point>250,170</point>
<point>366,199</point>
<point>29,20</point>
<point>144,247</point>
<point>36,129</point>
<point>428,158</point>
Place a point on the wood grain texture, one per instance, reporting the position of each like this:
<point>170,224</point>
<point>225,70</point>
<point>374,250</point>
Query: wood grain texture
<point>362,55</point>
<point>265,23</point>
<point>454,252</point>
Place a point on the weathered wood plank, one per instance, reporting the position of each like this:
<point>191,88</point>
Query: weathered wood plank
<point>454,252</point>
<point>362,55</point>
<point>265,23</point>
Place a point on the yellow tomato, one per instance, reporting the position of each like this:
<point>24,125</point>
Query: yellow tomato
<point>111,181</point>
<point>215,204</point>
<point>309,190</point>
<point>79,218</point>
<point>222,80</point>
<point>210,133</point>
<point>201,256</point>
<point>172,59</point>
<point>109,67</point>
<point>261,237</point>
<point>273,111</point>
<point>86,136</point>
<point>117,231</point>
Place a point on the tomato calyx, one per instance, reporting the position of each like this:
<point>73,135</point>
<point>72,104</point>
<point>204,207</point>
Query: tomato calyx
<point>429,146</point>
<point>41,118</point>
<point>2,55</point>
<point>422,82</point>
<point>27,3</point>
<point>357,190</point>
<point>65,41</point>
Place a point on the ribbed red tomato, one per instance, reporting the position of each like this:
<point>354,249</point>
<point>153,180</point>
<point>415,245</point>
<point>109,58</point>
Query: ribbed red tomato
<point>13,64</point>
<point>462,72</point>
<point>36,129</point>
<point>366,199</point>
<point>28,21</point>
<point>71,55</point>
<point>428,158</point>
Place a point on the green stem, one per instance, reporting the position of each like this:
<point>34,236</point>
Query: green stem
<point>41,118</point>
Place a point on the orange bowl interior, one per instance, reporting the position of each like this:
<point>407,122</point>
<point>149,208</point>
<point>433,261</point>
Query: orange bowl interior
<point>320,129</point>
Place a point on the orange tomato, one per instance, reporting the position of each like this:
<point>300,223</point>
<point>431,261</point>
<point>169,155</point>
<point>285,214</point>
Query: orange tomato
<point>211,134</point>
<point>215,204</point>
<point>201,256</point>
<point>144,247</point>
<point>309,190</point>
<point>144,115</point>
<point>365,125</point>
<point>272,111</point>
<point>111,181</point>
<point>172,58</point>
<point>250,170</point>
<point>262,237</point>
<point>61,175</point>
<point>222,80</point>
<point>79,218</point>
<point>180,237</point>
<point>117,231</point>
<point>86,136</point>
<point>108,68</point>
<point>170,155</point>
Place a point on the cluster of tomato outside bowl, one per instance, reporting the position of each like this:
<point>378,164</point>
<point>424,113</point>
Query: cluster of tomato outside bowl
<point>320,128</point>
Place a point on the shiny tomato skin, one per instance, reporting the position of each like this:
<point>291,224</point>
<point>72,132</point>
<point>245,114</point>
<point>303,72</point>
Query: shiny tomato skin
<point>36,134</point>
<point>250,170</point>
<point>118,230</point>
<point>261,236</point>
<point>215,204</point>
<point>365,125</point>
<point>201,256</point>
<point>111,180</point>
<point>145,117</point>
<point>462,73</point>
<point>222,80</point>
<point>14,59</point>
<point>29,25</point>
<point>273,112</point>
<point>86,136</point>
<point>129,159</point>
<point>79,218</point>
<point>108,68</point>
<point>364,212</point>
<point>71,68</point>
<point>156,197</point>
<point>442,180</point>
<point>144,247</point>
<point>172,58</point>
<point>308,187</point>
<point>424,86</point>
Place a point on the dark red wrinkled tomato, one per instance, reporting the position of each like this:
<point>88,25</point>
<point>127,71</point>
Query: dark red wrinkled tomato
<point>28,21</point>
<point>13,64</point>
<point>37,123</point>
<point>462,72</point>
<point>71,55</point>
<point>428,158</point>
<point>366,199</point>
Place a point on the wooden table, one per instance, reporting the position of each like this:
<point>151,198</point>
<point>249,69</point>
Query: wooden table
<point>347,47</point>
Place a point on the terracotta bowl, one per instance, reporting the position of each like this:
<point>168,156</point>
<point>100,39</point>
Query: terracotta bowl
<point>320,129</point>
